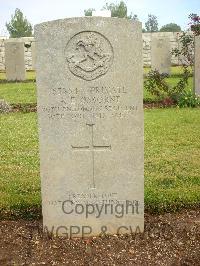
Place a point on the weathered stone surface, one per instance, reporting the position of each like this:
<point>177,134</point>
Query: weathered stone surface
<point>160,54</point>
<point>5,107</point>
<point>90,107</point>
<point>197,65</point>
<point>14,61</point>
<point>27,50</point>
<point>33,54</point>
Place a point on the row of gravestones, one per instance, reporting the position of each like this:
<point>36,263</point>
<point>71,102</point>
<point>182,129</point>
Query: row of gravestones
<point>90,112</point>
<point>15,62</point>
<point>160,58</point>
<point>147,37</point>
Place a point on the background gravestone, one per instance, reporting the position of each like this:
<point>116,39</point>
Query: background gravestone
<point>90,107</point>
<point>197,65</point>
<point>160,54</point>
<point>14,61</point>
<point>33,55</point>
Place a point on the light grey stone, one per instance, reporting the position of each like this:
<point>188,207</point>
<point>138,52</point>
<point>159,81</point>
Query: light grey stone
<point>90,109</point>
<point>160,54</point>
<point>33,54</point>
<point>14,61</point>
<point>28,54</point>
<point>5,107</point>
<point>197,65</point>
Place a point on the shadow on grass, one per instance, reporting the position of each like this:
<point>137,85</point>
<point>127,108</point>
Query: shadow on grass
<point>21,212</point>
<point>3,81</point>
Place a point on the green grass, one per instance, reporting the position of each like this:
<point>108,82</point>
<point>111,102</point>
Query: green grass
<point>172,164</point>
<point>18,92</point>
<point>19,171</point>
<point>172,158</point>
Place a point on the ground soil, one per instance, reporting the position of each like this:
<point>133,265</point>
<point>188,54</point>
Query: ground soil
<point>169,239</point>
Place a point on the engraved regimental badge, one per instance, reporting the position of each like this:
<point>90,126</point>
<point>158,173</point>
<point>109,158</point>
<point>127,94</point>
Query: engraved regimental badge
<point>89,55</point>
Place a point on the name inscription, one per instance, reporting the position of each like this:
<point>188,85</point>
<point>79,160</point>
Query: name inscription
<point>82,103</point>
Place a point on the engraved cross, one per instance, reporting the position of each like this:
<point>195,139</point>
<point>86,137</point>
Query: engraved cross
<point>92,148</point>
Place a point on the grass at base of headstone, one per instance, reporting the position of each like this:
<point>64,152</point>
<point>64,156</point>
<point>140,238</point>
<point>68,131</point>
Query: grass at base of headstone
<point>172,164</point>
<point>18,92</point>
<point>29,75</point>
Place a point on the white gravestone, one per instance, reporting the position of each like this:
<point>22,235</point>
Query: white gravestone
<point>14,61</point>
<point>160,54</point>
<point>197,65</point>
<point>90,109</point>
<point>33,55</point>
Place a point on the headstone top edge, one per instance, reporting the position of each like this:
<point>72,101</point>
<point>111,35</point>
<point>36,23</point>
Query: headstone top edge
<point>76,19</point>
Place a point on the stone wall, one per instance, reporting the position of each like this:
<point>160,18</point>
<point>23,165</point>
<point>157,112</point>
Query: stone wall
<point>146,48</point>
<point>2,53</point>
